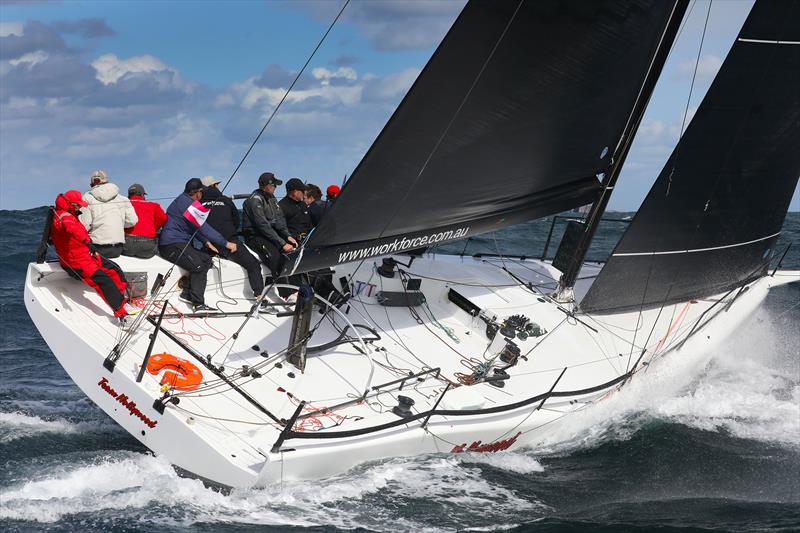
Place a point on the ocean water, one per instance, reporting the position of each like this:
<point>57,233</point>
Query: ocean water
<point>708,448</point>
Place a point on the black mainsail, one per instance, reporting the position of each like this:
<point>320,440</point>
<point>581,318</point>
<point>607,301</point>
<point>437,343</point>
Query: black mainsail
<point>712,218</point>
<point>513,118</point>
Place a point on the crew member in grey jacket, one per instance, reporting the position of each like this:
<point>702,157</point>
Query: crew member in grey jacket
<point>107,215</point>
<point>264,227</point>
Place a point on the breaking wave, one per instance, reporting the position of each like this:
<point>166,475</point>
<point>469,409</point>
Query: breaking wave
<point>748,388</point>
<point>147,489</point>
<point>67,466</point>
<point>16,425</point>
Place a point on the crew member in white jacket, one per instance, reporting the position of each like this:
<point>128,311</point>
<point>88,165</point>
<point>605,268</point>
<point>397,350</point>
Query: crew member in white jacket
<point>107,215</point>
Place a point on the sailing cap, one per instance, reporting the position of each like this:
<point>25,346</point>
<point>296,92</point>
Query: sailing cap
<point>268,178</point>
<point>74,197</point>
<point>332,191</point>
<point>98,177</point>
<point>136,190</point>
<point>295,184</point>
<point>208,181</point>
<point>193,185</point>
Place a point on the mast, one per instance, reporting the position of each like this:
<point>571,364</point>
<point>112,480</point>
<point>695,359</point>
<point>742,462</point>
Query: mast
<point>566,283</point>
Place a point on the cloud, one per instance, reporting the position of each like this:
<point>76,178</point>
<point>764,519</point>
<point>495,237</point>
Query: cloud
<point>52,76</point>
<point>345,61</point>
<point>393,86</point>
<point>110,68</point>
<point>87,28</point>
<point>11,28</point>
<point>392,25</point>
<point>66,112</point>
<point>31,58</point>
<point>250,94</point>
<point>707,68</point>
<point>401,25</point>
<point>35,37</point>
<point>275,76</point>
<point>322,73</point>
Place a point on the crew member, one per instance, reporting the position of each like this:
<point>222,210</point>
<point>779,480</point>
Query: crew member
<point>107,215</point>
<point>142,239</point>
<point>79,259</point>
<point>264,227</point>
<point>295,210</point>
<point>332,193</point>
<point>186,219</point>
<point>223,216</point>
<point>316,207</point>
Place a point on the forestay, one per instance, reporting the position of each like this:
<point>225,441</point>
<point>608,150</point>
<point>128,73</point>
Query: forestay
<point>713,216</point>
<point>515,115</point>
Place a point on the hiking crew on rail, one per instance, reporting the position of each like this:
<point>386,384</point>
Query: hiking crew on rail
<point>88,230</point>
<point>186,219</point>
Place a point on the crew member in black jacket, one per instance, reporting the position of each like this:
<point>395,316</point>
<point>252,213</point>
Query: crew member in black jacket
<point>223,216</point>
<point>264,227</point>
<point>295,209</point>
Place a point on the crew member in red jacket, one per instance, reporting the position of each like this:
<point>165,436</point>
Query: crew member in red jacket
<point>141,240</point>
<point>76,255</point>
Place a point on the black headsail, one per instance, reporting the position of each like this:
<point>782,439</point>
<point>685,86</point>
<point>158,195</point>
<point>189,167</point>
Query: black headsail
<point>513,118</point>
<point>712,218</point>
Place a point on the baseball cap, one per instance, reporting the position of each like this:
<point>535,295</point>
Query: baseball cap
<point>332,191</point>
<point>295,184</point>
<point>193,185</point>
<point>208,181</point>
<point>136,190</point>
<point>268,178</point>
<point>98,177</point>
<point>75,197</point>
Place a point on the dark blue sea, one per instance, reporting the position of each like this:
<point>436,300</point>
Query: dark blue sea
<point>715,449</point>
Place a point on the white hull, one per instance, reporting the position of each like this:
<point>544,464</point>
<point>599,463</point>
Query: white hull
<point>220,434</point>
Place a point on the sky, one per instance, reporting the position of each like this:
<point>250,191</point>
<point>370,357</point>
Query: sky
<point>158,92</point>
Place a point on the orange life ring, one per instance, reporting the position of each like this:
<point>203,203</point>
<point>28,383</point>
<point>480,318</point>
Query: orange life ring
<point>180,374</point>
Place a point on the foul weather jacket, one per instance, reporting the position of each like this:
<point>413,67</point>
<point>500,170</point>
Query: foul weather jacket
<point>263,218</point>
<point>298,219</point>
<point>151,218</point>
<point>184,217</point>
<point>223,215</point>
<point>71,241</point>
<point>108,214</point>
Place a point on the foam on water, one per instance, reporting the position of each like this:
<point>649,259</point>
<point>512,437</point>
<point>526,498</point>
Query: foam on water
<point>749,387</point>
<point>510,461</point>
<point>16,425</point>
<point>148,489</point>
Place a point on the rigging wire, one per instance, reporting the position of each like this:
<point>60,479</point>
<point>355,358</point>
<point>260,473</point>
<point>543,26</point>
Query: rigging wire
<point>138,321</point>
<point>719,173</point>
<point>689,99</point>
<point>669,184</point>
<point>286,94</point>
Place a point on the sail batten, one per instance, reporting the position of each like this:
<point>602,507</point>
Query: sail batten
<point>513,118</point>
